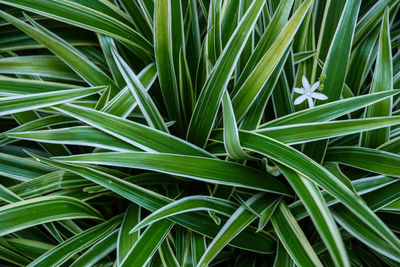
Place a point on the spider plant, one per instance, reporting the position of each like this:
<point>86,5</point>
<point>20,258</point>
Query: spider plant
<point>199,133</point>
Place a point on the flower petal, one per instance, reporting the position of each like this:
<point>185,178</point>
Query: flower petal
<point>310,102</point>
<point>319,96</point>
<point>306,84</point>
<point>314,87</point>
<point>299,91</point>
<point>300,99</point>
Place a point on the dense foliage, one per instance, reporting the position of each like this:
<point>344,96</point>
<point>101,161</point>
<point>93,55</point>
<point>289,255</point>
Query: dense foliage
<point>199,133</point>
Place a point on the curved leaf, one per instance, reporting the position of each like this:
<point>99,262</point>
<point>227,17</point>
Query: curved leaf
<point>150,200</point>
<point>369,159</point>
<point>309,168</point>
<point>239,220</point>
<point>80,135</point>
<point>61,253</point>
<point>146,104</point>
<point>187,204</point>
<point>15,104</point>
<point>133,133</point>
<point>28,213</point>
<point>82,15</point>
<point>329,111</point>
<point>198,168</point>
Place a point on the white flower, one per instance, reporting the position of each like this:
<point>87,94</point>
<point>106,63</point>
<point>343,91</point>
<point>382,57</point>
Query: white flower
<point>307,92</point>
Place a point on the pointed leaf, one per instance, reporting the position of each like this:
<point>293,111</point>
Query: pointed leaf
<point>207,105</point>
<point>198,168</point>
<point>146,104</point>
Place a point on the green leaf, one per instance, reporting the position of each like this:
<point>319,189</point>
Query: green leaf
<point>305,132</point>
<point>312,170</point>
<point>182,245</point>
<point>64,251</point>
<point>8,196</point>
<point>361,231</point>
<point>148,243</point>
<point>15,104</point>
<point>282,258</point>
<point>362,186</point>
<point>361,62</point>
<point>187,204</point>
<point>80,135</point>
<point>46,66</point>
<point>335,67</point>
<point>321,216</point>
<point>66,52</point>
<point>207,105</point>
<point>198,246</point>
<point>178,37</point>
<point>133,133</point>
<point>272,31</point>
<point>303,56</point>
<point>80,14</point>
<point>47,183</point>
<point>163,47</point>
<point>98,251</point>
<point>194,121</point>
<point>382,81</point>
<point>300,133</point>
<point>369,159</point>
<point>335,170</point>
<point>107,43</point>
<point>21,169</point>
<point>276,80</point>
<point>124,102</point>
<point>293,238</point>
<point>185,86</point>
<point>339,51</point>
<point>146,104</point>
<point>152,201</point>
<point>197,168</point>
<point>391,146</point>
<point>30,248</point>
<point>10,256</point>
<point>140,20</point>
<point>245,96</point>
<point>19,86</point>
<point>126,240</point>
<point>166,254</point>
<point>265,215</point>
<point>231,134</point>
<point>371,19</point>
<point>239,220</point>
<point>27,213</point>
<point>104,98</point>
<point>330,111</point>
